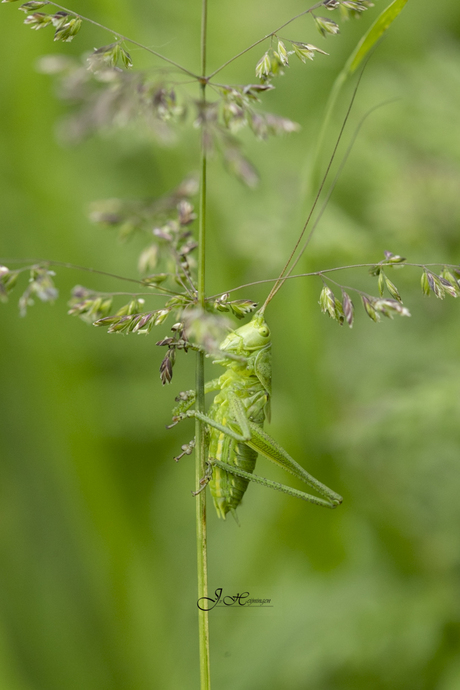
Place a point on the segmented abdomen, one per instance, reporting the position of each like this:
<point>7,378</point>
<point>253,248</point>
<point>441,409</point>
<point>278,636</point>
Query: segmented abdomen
<point>228,489</point>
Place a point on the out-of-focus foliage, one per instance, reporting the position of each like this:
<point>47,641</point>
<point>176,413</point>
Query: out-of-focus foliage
<point>97,575</point>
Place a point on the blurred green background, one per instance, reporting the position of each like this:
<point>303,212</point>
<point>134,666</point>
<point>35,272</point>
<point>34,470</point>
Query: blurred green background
<point>97,575</point>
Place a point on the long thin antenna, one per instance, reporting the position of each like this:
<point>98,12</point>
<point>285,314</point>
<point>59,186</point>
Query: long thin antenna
<point>336,179</point>
<point>286,269</point>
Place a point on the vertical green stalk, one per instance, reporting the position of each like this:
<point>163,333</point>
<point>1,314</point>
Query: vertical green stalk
<point>200,448</point>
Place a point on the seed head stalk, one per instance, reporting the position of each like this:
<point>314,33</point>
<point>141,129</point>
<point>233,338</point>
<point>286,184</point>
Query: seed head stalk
<point>200,446</point>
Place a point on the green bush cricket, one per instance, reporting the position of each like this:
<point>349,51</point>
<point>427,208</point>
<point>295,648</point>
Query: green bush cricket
<point>236,417</point>
<point>235,421</point>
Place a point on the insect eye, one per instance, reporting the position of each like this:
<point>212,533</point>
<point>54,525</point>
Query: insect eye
<point>264,331</point>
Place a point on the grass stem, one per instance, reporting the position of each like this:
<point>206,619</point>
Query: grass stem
<point>200,447</point>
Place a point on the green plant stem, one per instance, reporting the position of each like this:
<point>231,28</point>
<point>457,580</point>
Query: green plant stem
<point>363,49</point>
<point>200,447</point>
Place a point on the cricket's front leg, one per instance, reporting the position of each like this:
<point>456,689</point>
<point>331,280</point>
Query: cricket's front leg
<point>241,423</point>
<point>187,399</point>
<point>242,437</point>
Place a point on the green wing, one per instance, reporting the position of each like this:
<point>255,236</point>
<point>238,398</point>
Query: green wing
<point>263,371</point>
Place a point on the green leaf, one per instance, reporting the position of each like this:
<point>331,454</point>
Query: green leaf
<point>370,38</point>
<point>368,41</point>
<point>378,28</point>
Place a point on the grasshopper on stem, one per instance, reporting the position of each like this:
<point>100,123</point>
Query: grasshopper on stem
<point>235,419</point>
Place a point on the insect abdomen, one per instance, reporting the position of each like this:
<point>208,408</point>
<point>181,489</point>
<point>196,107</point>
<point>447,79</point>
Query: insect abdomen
<point>244,392</point>
<point>227,489</point>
